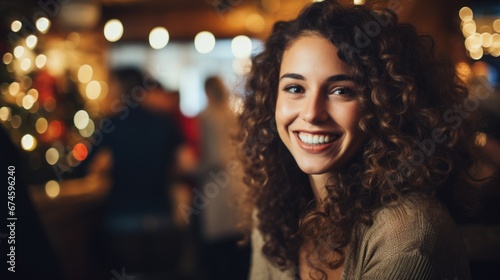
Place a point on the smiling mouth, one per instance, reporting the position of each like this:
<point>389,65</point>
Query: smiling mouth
<point>317,139</point>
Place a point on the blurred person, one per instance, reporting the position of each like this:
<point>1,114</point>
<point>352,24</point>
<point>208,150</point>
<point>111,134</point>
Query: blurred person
<point>220,185</point>
<point>140,232</point>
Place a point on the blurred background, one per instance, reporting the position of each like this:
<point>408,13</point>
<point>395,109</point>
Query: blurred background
<point>117,115</point>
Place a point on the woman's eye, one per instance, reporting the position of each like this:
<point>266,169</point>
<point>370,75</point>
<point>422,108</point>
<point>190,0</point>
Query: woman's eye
<point>294,89</point>
<point>342,91</point>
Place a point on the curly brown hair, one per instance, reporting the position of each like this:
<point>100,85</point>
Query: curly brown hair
<point>416,143</point>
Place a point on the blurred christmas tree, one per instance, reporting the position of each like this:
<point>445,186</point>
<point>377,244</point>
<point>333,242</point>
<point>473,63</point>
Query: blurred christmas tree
<point>43,110</point>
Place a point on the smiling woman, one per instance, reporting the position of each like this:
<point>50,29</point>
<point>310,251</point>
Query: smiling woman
<point>346,190</point>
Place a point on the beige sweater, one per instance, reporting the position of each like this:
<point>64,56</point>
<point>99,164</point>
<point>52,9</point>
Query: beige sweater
<point>412,240</point>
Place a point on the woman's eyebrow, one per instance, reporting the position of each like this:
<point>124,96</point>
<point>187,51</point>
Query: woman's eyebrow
<point>293,76</point>
<point>334,78</point>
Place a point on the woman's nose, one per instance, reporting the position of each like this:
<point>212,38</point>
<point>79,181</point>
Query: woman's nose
<point>314,110</point>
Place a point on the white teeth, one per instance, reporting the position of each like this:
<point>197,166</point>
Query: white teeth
<point>316,138</point>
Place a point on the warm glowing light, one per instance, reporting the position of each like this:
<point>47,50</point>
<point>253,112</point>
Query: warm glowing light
<point>81,119</point>
<point>465,13</point>
<point>7,58</point>
<point>41,125</point>
<point>473,42</point>
<point>52,156</point>
<point>463,70</point>
<point>93,90</point>
<point>241,46</point>
<point>204,42</point>
<point>55,129</point>
<point>28,142</point>
<point>359,2</point>
<point>31,41</point>
<point>89,130</point>
<point>43,24</point>
<point>495,38</point>
<point>158,38</point>
<point>468,27</point>
<point>485,29</point>
<point>40,61</point>
<point>26,64</point>
<point>113,30</point>
<point>255,23</point>
<point>28,102</point>
<point>16,26</point>
<point>85,73</point>
<point>80,152</point>
<point>18,51</point>
<point>34,93</point>
<point>477,54</point>
<point>52,189</point>
<point>14,88</point>
<point>5,113</point>
<point>496,25</point>
<point>486,39</point>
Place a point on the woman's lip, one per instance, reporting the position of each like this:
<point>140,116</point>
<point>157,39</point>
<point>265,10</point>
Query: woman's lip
<point>316,148</point>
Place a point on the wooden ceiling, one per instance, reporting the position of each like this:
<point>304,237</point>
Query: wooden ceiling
<point>228,18</point>
<point>184,19</point>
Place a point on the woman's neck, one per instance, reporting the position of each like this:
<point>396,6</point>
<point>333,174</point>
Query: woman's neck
<point>318,183</point>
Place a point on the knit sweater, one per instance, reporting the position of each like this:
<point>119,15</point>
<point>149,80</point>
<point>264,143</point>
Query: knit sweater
<point>414,239</point>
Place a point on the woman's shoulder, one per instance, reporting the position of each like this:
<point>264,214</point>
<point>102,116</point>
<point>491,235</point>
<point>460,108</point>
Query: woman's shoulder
<point>415,234</point>
<point>416,211</point>
<point>413,219</point>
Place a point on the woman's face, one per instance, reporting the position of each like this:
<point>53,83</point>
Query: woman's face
<point>317,110</point>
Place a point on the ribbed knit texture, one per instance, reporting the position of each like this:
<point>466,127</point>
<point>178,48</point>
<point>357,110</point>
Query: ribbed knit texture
<point>413,240</point>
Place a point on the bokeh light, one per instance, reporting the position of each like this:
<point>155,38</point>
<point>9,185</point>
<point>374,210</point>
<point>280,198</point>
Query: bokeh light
<point>41,125</point>
<point>5,113</point>
<point>465,13</point>
<point>85,73</point>
<point>52,189</point>
<point>18,51</point>
<point>40,60</point>
<point>204,42</point>
<point>28,142</point>
<point>31,41</point>
<point>26,64</point>
<point>28,102</point>
<point>241,46</point>
<point>80,152</point>
<point>43,24</point>
<point>16,25</point>
<point>88,130</point>
<point>113,30</point>
<point>93,90</point>
<point>81,119</point>
<point>52,156</point>
<point>14,88</point>
<point>7,58</point>
<point>158,38</point>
